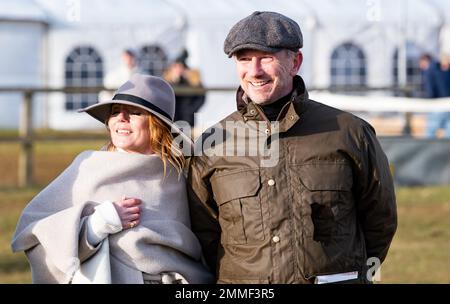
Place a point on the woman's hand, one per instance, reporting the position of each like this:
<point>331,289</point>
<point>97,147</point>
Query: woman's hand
<point>129,212</point>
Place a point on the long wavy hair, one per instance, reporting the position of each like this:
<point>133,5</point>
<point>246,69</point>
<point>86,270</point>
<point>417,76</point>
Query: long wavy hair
<point>161,143</point>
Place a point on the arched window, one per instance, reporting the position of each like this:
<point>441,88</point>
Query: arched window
<point>413,72</point>
<point>84,68</point>
<point>348,66</point>
<point>152,60</point>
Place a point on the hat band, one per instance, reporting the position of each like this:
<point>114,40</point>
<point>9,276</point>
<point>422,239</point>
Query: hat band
<point>142,102</point>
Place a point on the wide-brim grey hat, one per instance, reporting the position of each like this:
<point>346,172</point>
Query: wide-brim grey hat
<point>264,31</point>
<point>150,93</point>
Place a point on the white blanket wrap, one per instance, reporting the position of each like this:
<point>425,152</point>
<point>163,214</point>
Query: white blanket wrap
<point>162,242</point>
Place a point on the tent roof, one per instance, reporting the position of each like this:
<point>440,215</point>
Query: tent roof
<point>442,7</point>
<point>113,12</point>
<point>326,12</point>
<point>22,10</point>
<point>231,11</point>
<point>231,8</point>
<point>383,12</point>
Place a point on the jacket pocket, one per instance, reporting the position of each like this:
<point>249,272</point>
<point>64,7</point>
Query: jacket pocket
<point>240,215</point>
<point>329,234</point>
<point>328,193</point>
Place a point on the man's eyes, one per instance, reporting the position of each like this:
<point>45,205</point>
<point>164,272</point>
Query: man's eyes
<point>266,59</point>
<point>263,59</point>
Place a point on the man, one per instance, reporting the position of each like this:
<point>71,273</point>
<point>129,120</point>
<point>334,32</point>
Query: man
<point>322,208</point>
<point>180,75</point>
<point>429,67</point>
<point>436,82</point>
<point>120,75</point>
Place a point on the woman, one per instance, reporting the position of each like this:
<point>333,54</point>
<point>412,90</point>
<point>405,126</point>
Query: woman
<point>120,215</point>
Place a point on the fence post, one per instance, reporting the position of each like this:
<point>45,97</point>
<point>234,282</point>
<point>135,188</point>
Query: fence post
<point>407,129</point>
<point>25,133</point>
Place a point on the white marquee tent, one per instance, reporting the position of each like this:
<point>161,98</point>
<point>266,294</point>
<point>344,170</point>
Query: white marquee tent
<point>379,28</point>
<point>23,26</point>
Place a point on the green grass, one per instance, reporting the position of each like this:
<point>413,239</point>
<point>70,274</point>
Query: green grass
<point>420,251</point>
<point>50,159</point>
<point>12,133</point>
<point>13,267</point>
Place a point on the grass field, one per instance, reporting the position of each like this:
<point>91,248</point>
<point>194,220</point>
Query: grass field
<point>420,252</point>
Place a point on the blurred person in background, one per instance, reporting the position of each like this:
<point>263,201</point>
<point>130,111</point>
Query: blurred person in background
<point>436,82</point>
<point>429,66</point>
<point>120,75</point>
<point>180,75</point>
<point>324,211</point>
<point>119,215</point>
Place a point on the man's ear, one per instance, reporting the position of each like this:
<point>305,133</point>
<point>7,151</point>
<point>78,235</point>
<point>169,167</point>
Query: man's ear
<point>298,60</point>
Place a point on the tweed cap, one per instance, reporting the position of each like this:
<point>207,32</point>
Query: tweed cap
<point>264,31</point>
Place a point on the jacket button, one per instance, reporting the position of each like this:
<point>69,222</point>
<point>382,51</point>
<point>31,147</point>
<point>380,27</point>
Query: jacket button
<point>252,112</point>
<point>271,182</point>
<point>291,117</point>
<point>276,239</point>
<point>267,131</point>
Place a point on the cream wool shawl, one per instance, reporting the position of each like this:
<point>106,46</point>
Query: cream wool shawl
<point>162,242</point>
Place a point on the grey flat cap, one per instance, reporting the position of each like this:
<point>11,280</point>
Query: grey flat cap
<point>264,31</point>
